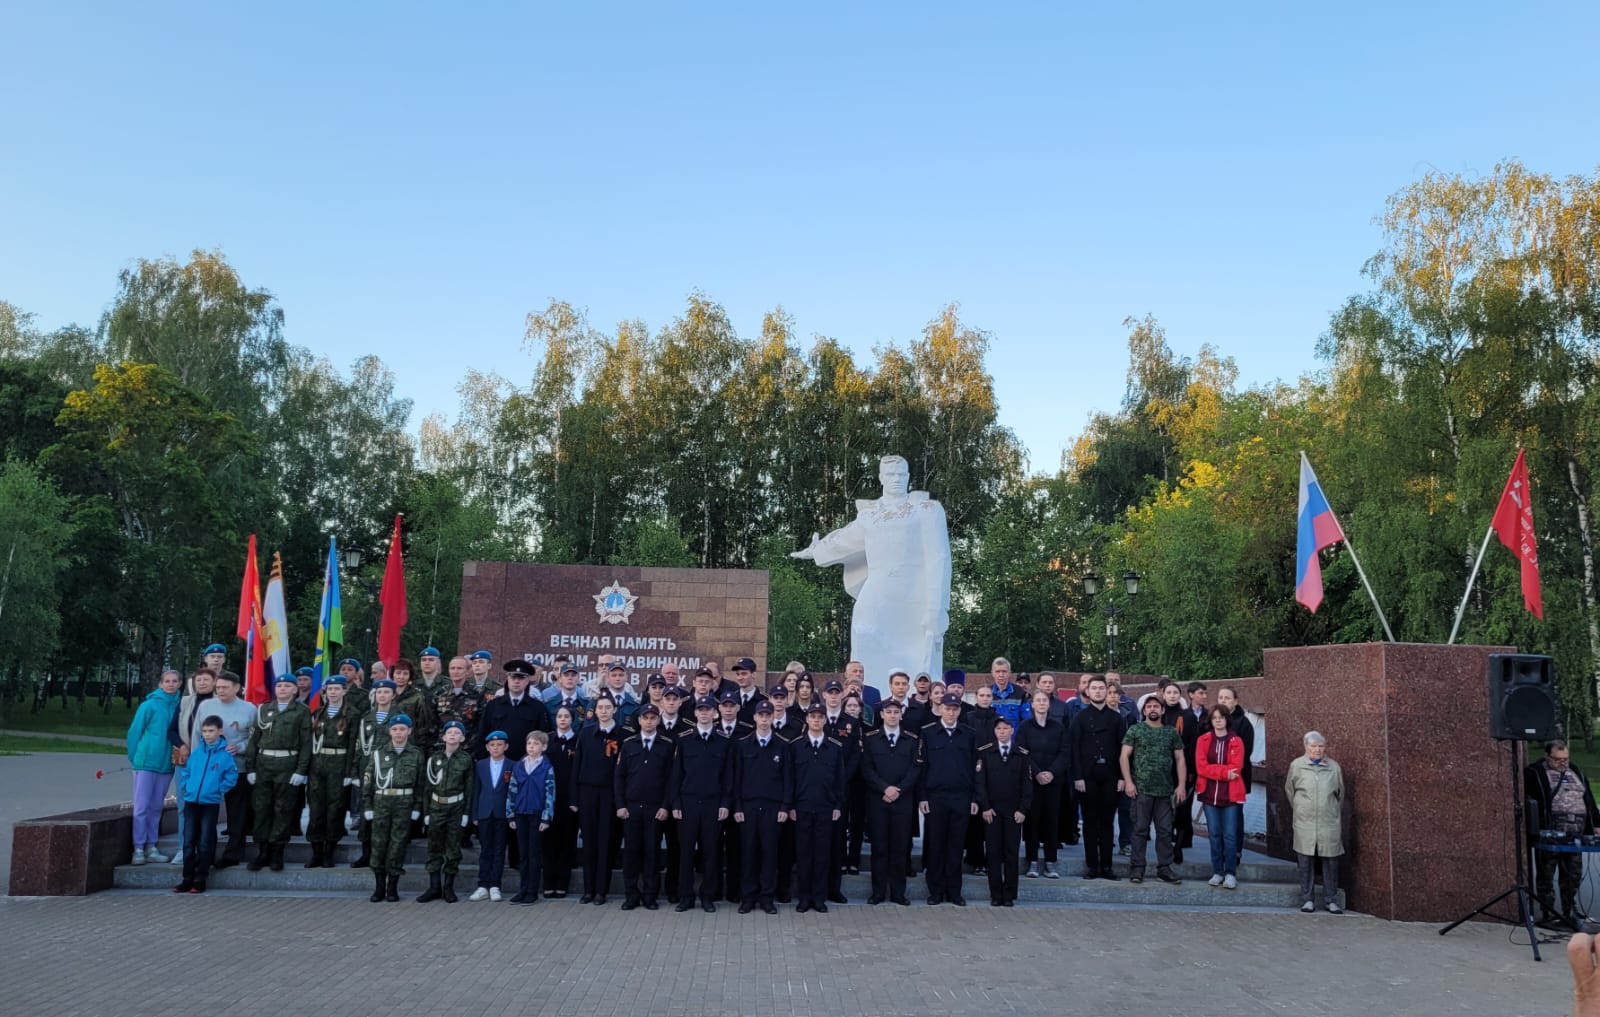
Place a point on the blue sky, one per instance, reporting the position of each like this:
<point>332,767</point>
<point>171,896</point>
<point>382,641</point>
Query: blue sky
<point>412,180</point>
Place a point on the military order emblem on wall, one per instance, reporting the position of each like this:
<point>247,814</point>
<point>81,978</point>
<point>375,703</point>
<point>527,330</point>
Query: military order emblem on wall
<point>614,604</point>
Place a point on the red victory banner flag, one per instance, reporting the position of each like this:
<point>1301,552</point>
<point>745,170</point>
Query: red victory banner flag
<point>393,598</point>
<point>1513,524</point>
<point>249,630</point>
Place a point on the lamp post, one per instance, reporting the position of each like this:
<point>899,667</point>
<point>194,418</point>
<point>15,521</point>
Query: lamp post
<point>1091,587</point>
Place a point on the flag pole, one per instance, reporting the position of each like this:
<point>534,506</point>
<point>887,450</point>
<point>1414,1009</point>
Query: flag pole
<point>1362,573</point>
<point>1470,580</point>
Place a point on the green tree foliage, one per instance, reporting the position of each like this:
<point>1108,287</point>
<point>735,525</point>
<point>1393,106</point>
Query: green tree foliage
<point>34,535</point>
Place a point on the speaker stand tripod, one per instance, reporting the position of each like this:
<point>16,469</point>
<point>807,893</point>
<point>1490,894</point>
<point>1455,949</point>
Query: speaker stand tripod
<point>1519,889</point>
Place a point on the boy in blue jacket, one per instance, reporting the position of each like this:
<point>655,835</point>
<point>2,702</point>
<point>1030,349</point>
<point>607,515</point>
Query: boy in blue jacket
<point>530,804</point>
<point>491,788</point>
<point>211,773</point>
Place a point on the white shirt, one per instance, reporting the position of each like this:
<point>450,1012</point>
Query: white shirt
<point>496,767</point>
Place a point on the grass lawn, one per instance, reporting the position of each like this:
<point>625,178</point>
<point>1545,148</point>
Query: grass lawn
<point>90,720</point>
<point>16,745</point>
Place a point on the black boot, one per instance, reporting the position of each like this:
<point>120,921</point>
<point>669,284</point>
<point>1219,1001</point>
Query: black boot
<point>450,890</point>
<point>377,887</point>
<point>316,856</point>
<point>275,856</point>
<point>392,892</point>
<point>432,893</point>
<point>259,862</point>
<point>365,858</point>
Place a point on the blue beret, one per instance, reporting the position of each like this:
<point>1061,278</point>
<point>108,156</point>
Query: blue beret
<point>352,662</point>
<point>428,651</point>
<point>478,655</point>
<point>214,648</point>
<point>453,724</point>
<point>497,736</point>
<point>306,671</point>
<point>383,683</point>
<point>338,680</point>
<point>400,718</point>
<point>955,674</point>
<point>284,679</point>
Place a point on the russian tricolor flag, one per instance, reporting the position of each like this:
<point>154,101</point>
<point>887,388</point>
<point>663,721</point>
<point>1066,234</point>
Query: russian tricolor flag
<point>1318,529</point>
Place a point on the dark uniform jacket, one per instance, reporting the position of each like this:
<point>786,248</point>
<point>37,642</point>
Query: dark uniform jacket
<point>280,741</point>
<point>333,743</point>
<point>747,709</point>
<point>883,767</point>
<point>1047,747</point>
<point>763,774</point>
<point>641,777</point>
<point>515,719</point>
<point>1096,741</point>
<point>702,770</point>
<point>848,732</point>
<point>819,780</point>
<point>594,760</point>
<point>1004,785</point>
<point>949,764</point>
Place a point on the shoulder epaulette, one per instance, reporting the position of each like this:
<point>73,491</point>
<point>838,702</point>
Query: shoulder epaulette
<point>931,723</point>
<point>630,738</point>
<point>836,742</point>
<point>985,748</point>
<point>911,734</point>
<point>875,732</point>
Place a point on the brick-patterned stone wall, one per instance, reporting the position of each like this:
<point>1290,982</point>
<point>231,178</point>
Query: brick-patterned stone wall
<point>518,610</point>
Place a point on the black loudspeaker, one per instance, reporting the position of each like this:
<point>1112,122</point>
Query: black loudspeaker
<point>1522,697</point>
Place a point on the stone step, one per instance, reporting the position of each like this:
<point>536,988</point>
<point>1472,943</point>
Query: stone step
<point>1253,866</point>
<point>1194,893</point>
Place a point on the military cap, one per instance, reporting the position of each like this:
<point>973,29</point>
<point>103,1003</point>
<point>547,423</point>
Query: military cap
<point>304,672</point>
<point>429,651</point>
<point>454,724</point>
<point>763,706</point>
<point>833,686</point>
<point>352,662</point>
<point>650,710</point>
<point>890,704</point>
<point>569,669</point>
<point>618,667</point>
<point>496,736</point>
<point>950,699</point>
<point>605,695</point>
<point>744,664</point>
<point>400,718</point>
<point>214,648</point>
<point>705,703</point>
<point>728,699</point>
<point>336,679</point>
<point>675,691</point>
<point>704,672</point>
<point>480,655</point>
<point>284,679</point>
<point>817,708</point>
<point>657,682</point>
<point>516,665</point>
<point>780,690</point>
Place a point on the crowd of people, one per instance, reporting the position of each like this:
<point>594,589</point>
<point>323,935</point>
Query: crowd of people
<point>709,788</point>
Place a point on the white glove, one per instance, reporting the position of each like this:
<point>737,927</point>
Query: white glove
<point>250,777</point>
<point>297,780</point>
<point>464,821</point>
<point>425,819</point>
<point>350,782</point>
<point>367,815</point>
<point>350,823</point>
<point>416,816</point>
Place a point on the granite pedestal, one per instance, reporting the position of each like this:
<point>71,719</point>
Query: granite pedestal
<point>1428,831</point>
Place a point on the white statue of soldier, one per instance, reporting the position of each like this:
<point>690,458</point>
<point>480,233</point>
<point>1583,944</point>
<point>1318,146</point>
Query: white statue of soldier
<point>896,558</point>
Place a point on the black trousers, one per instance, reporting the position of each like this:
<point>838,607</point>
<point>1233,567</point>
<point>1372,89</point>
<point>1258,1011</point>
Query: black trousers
<point>492,852</point>
<point>641,845</point>
<point>596,816</point>
<point>237,803</point>
<point>836,843</point>
<point>944,831</point>
<point>813,840</point>
<point>560,848</point>
<point>529,854</point>
<point>758,852</point>
<point>786,843</point>
<point>1099,802</point>
<point>731,870</point>
<point>1069,813</point>
<point>1004,839</point>
<point>698,832</point>
<point>855,820</point>
<point>1044,821</point>
<point>891,824</point>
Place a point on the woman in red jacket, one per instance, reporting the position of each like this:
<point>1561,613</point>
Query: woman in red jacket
<point>1218,760</point>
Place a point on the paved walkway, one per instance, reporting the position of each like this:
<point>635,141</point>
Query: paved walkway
<point>128,953</point>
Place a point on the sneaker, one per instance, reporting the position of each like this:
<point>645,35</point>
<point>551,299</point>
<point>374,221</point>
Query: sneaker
<point>1230,883</point>
<point>1033,870</point>
<point>1050,871</point>
<point>1307,908</point>
<point>494,893</point>
<point>1125,851</point>
<point>152,855</point>
<point>177,858</point>
<point>1334,908</point>
<point>138,857</point>
<point>1214,881</point>
<point>481,893</point>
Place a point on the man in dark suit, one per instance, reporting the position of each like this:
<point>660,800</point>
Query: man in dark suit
<point>763,794</point>
<point>889,768</point>
<point>700,793</point>
<point>818,803</point>
<point>643,768</point>
<point>749,690</point>
<point>516,712</point>
<point>1005,792</point>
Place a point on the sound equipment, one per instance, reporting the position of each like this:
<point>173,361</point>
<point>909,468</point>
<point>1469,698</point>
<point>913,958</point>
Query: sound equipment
<point>1522,697</point>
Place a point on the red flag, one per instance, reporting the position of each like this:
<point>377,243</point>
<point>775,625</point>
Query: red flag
<point>393,599</point>
<point>1513,524</point>
<point>248,629</point>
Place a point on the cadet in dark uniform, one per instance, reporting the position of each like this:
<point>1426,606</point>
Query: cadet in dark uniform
<point>788,724</point>
<point>889,768</point>
<point>818,801</point>
<point>1005,792</point>
<point>847,731</point>
<point>276,765</point>
<point>391,787</point>
<point>749,693</point>
<point>948,799</point>
<point>594,766</point>
<point>763,795</point>
<point>641,796</point>
<point>700,793</point>
<point>559,842</point>
<point>333,770</point>
<point>730,873</point>
<point>672,727</point>
<point>449,774</point>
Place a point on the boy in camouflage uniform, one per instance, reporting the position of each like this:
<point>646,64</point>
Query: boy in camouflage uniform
<point>449,775</point>
<point>333,730</point>
<point>276,764</point>
<point>392,786</point>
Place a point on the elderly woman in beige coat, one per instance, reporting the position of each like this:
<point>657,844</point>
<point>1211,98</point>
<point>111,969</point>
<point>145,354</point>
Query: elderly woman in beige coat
<point>1315,789</point>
